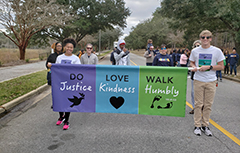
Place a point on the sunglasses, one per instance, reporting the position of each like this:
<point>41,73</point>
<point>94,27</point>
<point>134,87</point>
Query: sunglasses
<point>163,48</point>
<point>203,37</point>
<point>89,48</point>
<point>196,45</point>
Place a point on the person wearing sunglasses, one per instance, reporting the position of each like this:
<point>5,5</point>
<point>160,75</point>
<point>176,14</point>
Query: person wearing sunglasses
<point>162,59</point>
<point>205,60</point>
<point>89,57</point>
<point>149,55</point>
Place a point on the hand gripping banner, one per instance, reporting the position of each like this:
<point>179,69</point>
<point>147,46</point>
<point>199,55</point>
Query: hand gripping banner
<point>148,90</point>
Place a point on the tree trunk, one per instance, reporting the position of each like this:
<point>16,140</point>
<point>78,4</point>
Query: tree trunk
<point>22,53</point>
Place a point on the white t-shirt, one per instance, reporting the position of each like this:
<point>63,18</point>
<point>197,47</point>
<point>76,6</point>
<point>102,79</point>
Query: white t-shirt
<point>63,59</point>
<point>209,56</point>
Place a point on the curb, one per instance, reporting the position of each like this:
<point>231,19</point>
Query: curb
<point>231,78</point>
<point>6,107</point>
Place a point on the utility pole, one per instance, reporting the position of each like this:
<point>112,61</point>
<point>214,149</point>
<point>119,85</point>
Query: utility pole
<point>99,43</point>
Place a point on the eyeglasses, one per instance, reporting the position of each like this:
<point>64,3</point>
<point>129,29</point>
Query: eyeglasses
<point>163,48</point>
<point>59,46</point>
<point>196,45</point>
<point>203,37</point>
<point>89,48</point>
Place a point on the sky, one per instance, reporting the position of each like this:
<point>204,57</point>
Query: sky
<point>140,11</point>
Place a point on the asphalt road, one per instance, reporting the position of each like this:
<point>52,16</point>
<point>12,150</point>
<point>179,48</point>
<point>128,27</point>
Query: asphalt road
<point>30,127</point>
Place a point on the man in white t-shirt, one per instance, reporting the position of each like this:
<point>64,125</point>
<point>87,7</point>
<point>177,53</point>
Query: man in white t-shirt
<point>205,60</point>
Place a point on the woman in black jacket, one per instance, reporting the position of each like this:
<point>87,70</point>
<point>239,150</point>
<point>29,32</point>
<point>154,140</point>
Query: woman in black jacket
<point>52,59</point>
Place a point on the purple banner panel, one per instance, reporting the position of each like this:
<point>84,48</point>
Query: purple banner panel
<point>73,87</point>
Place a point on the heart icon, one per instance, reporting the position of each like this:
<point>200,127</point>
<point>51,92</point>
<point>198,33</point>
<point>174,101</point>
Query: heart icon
<point>116,102</point>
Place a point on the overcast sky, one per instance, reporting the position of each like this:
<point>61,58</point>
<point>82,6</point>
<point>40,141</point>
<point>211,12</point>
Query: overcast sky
<point>141,10</point>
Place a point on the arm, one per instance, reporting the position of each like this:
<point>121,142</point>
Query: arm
<point>192,64</point>
<point>96,60</point>
<point>146,54</point>
<point>118,56</point>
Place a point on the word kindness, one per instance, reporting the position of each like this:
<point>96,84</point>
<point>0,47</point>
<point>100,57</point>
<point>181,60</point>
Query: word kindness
<point>104,87</point>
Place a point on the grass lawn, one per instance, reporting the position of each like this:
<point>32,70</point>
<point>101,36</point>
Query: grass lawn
<point>17,87</point>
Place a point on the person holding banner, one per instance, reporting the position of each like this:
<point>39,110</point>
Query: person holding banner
<point>67,58</point>
<point>121,54</point>
<point>205,60</point>
<point>89,57</point>
<point>162,59</point>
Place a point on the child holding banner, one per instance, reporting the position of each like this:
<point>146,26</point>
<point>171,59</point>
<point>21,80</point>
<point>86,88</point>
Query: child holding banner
<point>67,58</point>
<point>205,60</point>
<point>162,59</point>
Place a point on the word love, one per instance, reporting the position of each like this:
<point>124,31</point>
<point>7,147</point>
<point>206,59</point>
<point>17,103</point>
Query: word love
<point>117,77</point>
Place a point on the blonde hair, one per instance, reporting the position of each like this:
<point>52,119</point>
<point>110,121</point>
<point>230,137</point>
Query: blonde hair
<point>196,41</point>
<point>149,40</point>
<point>205,32</point>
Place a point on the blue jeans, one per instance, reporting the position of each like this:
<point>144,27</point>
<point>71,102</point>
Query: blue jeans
<point>148,64</point>
<point>219,74</point>
<point>233,67</point>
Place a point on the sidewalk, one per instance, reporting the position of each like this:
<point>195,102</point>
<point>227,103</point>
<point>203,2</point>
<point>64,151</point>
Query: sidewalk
<point>11,72</point>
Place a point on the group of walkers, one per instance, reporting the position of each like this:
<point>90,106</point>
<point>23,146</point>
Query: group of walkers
<point>163,58</point>
<point>68,58</point>
<point>204,59</point>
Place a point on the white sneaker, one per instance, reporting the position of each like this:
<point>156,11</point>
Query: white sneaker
<point>235,76</point>
<point>197,131</point>
<point>206,131</point>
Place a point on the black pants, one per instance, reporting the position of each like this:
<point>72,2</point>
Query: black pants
<point>226,69</point>
<point>66,116</point>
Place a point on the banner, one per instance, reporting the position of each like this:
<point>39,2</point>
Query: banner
<point>148,90</point>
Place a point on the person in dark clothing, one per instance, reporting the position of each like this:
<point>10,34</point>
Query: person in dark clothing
<point>233,60</point>
<point>112,57</point>
<point>226,68</point>
<point>156,52</point>
<point>177,57</point>
<point>162,59</point>
<point>173,57</point>
<point>52,59</point>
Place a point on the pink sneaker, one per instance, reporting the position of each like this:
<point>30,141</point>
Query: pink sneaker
<point>66,126</point>
<point>60,120</point>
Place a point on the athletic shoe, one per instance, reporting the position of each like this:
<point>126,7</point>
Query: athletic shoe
<point>191,112</point>
<point>235,76</point>
<point>206,131</point>
<point>66,126</point>
<point>60,120</point>
<point>197,131</point>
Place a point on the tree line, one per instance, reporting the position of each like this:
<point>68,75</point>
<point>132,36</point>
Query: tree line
<point>34,22</point>
<point>178,23</point>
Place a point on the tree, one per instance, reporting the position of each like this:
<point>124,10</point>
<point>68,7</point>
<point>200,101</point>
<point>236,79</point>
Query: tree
<point>23,19</point>
<point>89,16</point>
<point>193,16</point>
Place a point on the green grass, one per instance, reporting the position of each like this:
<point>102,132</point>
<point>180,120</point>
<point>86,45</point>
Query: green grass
<point>17,87</point>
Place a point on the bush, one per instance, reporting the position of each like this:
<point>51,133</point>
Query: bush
<point>27,60</point>
<point>41,58</point>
